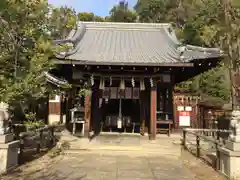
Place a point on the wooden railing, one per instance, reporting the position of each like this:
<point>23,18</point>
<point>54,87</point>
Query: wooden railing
<point>205,144</point>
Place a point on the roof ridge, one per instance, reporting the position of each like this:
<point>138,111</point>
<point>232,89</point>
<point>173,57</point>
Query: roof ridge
<point>124,25</point>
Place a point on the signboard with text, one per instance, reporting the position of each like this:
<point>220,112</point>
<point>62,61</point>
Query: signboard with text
<point>184,118</point>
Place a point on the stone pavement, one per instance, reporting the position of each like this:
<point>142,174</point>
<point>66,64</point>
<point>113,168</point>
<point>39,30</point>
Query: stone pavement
<point>117,158</point>
<point>89,166</point>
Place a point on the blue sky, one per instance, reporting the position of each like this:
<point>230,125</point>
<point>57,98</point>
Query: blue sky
<point>98,7</point>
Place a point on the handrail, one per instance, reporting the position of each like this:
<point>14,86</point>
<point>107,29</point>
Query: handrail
<point>198,135</point>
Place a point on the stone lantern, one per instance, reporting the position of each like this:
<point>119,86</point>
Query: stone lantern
<point>3,119</point>
<point>8,147</point>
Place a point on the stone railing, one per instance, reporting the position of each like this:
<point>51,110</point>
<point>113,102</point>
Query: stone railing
<point>19,148</point>
<point>205,144</point>
<point>35,142</point>
<point>222,154</point>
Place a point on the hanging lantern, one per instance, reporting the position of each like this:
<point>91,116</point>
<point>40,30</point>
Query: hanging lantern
<point>142,85</point>
<point>122,84</point>
<point>133,82</point>
<point>92,80</point>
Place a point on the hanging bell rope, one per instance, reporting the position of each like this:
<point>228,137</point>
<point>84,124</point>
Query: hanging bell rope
<point>92,79</point>
<point>142,85</point>
<point>102,83</point>
<point>122,84</point>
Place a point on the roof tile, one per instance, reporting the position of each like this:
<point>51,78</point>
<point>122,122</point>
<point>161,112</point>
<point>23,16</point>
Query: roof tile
<point>124,43</point>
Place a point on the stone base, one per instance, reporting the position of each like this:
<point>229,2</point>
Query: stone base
<point>64,119</point>
<point>230,163</point>
<point>233,146</point>
<point>54,119</point>
<point>6,138</point>
<point>236,139</point>
<point>8,156</point>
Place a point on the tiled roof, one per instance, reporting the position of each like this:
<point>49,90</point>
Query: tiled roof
<point>54,80</point>
<point>130,43</point>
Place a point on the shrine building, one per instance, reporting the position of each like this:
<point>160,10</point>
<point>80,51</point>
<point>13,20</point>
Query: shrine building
<point>128,71</point>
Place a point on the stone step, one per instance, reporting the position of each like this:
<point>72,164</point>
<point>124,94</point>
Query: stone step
<point>130,151</point>
<point>161,150</point>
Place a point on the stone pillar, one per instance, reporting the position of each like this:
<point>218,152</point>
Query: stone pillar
<point>230,154</point>
<point>54,110</point>
<point>8,147</point>
<point>153,113</point>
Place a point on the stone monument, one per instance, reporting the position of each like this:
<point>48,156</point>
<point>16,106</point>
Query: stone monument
<point>8,147</point>
<point>230,154</point>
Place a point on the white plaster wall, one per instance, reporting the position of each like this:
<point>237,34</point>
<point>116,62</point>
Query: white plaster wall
<point>54,119</point>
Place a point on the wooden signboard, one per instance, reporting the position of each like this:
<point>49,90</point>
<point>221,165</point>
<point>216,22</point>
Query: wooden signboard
<point>184,119</point>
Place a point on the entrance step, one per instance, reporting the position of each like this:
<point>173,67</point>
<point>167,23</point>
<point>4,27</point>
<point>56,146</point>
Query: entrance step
<point>172,150</point>
<point>124,143</point>
<point>176,152</point>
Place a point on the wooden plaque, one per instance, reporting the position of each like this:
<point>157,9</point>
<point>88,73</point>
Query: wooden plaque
<point>106,93</point>
<point>166,78</point>
<point>136,93</point>
<point>128,93</point>
<point>121,93</point>
<point>114,93</point>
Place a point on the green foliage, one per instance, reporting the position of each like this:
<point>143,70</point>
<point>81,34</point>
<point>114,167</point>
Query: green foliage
<point>85,16</point>
<point>122,13</point>
<point>84,91</point>
<point>197,22</point>
<point>62,21</point>
<point>25,50</point>
<point>156,10</point>
<point>31,121</point>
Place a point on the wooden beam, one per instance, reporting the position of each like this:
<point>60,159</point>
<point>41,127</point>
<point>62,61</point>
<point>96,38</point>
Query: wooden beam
<point>153,113</point>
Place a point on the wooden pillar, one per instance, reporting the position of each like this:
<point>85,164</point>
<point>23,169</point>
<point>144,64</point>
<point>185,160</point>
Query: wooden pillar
<point>87,112</point>
<point>153,113</point>
<point>54,110</point>
<point>142,114</point>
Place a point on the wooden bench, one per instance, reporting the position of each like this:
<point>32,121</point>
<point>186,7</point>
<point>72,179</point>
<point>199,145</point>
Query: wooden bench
<point>167,130</point>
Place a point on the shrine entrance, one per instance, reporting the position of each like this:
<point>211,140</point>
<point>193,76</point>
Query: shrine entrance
<point>121,115</point>
<point>118,110</point>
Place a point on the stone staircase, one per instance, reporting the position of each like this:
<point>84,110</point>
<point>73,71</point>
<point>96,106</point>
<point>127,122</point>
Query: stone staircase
<point>124,143</point>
